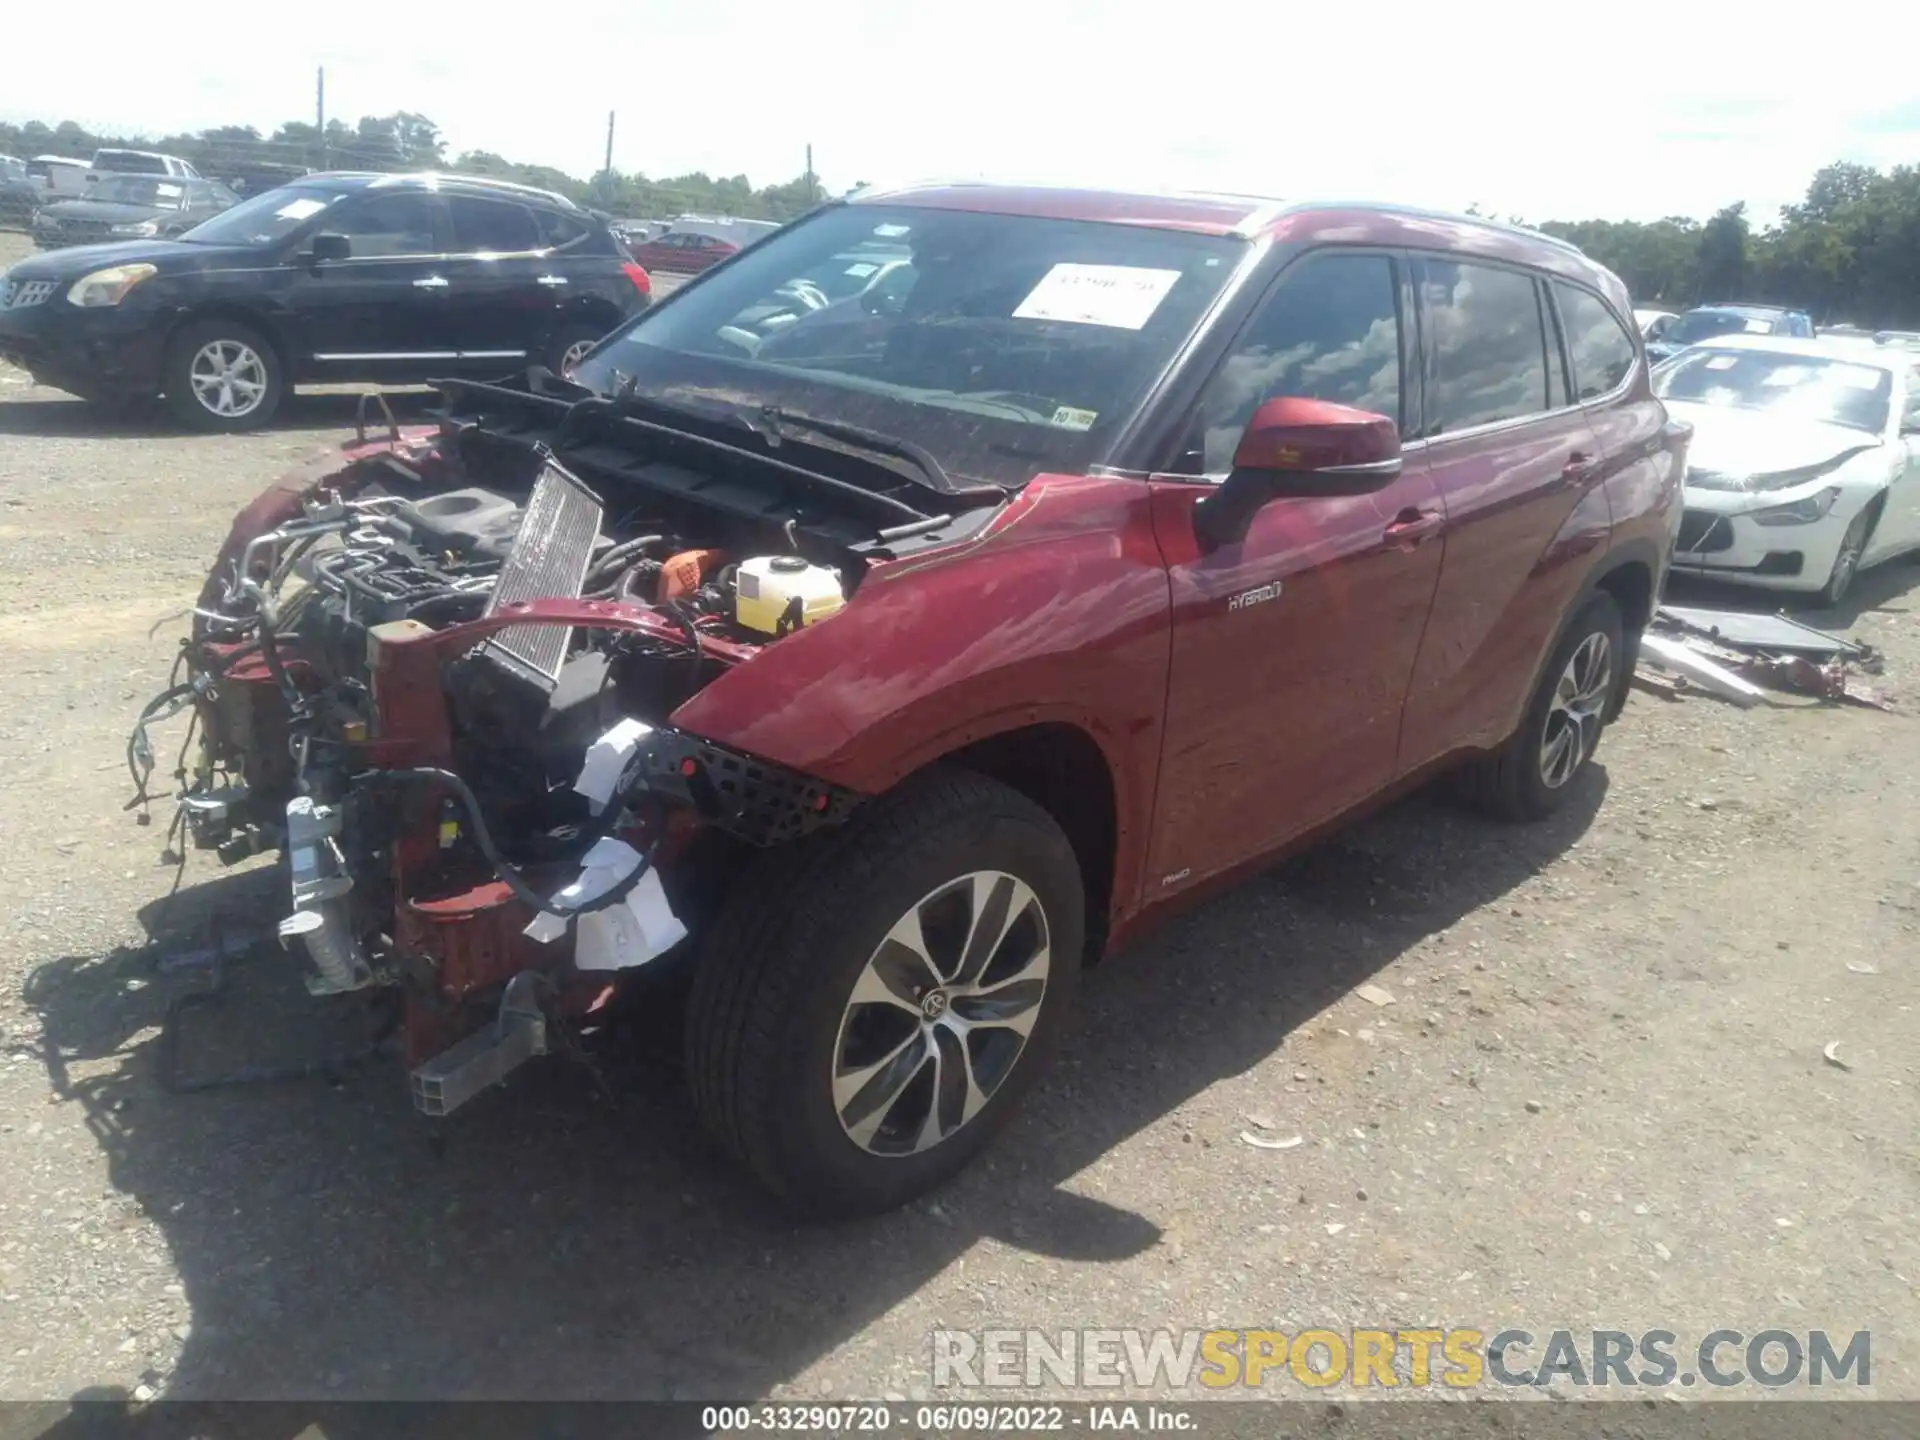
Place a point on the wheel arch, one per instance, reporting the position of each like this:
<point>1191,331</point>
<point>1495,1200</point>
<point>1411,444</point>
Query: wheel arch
<point>1062,769</point>
<point>260,324</point>
<point>1630,574</point>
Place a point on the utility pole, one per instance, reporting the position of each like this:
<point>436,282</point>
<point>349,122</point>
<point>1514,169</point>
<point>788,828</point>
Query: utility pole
<point>606,170</point>
<point>320,113</point>
<point>810,194</point>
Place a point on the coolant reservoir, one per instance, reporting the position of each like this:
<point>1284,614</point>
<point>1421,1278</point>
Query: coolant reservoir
<point>770,588</point>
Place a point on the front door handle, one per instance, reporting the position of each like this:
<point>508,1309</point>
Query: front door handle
<point>1578,472</point>
<point>1412,526</point>
<point>431,282</point>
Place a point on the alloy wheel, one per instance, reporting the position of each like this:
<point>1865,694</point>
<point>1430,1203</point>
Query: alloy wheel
<point>574,354</point>
<point>940,1014</point>
<point>1574,716</point>
<point>229,378</point>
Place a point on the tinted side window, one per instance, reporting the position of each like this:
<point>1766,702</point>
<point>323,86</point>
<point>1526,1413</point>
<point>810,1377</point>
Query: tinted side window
<point>1489,349</point>
<point>490,227</point>
<point>1602,349</point>
<point>1330,332</point>
<point>558,231</point>
<point>387,225</point>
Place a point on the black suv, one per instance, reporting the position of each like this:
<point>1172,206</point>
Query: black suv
<point>391,279</point>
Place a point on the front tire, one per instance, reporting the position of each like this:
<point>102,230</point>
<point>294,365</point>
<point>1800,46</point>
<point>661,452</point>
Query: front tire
<point>874,1001</point>
<point>1531,776</point>
<point>222,376</point>
<point>1846,564</point>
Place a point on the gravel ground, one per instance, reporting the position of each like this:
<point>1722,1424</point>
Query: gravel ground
<point>1598,1098</point>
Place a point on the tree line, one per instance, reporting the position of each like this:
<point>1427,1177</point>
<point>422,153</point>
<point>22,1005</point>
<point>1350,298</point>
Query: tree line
<point>1847,253</point>
<point>409,141</point>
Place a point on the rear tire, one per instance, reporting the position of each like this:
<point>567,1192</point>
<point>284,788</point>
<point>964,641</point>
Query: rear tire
<point>1531,776</point>
<point>816,1056</point>
<point>570,344</point>
<point>222,376</point>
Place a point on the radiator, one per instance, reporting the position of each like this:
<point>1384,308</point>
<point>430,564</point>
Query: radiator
<point>549,559</point>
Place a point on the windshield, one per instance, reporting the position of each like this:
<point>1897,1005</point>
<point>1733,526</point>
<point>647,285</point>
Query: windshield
<point>1800,387</point>
<point>264,219</point>
<point>1691,329</point>
<point>1003,344</point>
<point>140,190</point>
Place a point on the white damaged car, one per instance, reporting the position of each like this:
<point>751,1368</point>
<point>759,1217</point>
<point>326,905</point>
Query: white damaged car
<point>1805,463</point>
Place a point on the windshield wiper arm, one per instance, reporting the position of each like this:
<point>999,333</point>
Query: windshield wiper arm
<point>933,474</point>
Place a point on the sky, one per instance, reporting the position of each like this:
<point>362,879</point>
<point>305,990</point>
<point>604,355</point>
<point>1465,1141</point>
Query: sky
<point>1631,109</point>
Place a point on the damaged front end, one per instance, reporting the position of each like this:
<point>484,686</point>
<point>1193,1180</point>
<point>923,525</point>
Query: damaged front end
<point>439,679</point>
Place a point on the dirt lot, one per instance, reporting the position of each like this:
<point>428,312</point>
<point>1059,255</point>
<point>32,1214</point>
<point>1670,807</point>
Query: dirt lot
<point>1599,1099</point>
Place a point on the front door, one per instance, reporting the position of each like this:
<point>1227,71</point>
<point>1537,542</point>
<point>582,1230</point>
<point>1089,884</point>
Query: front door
<point>1292,649</point>
<point>382,312</point>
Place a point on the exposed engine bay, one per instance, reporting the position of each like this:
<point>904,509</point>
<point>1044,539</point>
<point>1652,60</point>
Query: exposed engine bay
<point>439,682</point>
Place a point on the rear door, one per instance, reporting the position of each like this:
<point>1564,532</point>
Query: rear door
<point>1516,465</point>
<point>1292,649</point>
<point>504,297</point>
<point>382,313</point>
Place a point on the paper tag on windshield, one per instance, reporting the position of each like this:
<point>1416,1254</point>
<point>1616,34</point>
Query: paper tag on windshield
<point>1068,418</point>
<point>167,189</point>
<point>300,209</point>
<point>1723,362</point>
<point>1758,327</point>
<point>861,271</point>
<point>890,232</point>
<point>1122,297</point>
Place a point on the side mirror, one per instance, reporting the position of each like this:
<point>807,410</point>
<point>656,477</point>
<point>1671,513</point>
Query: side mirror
<point>1299,448</point>
<point>328,246</point>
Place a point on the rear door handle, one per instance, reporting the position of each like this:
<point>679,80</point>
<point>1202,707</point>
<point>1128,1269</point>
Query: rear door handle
<point>431,282</point>
<point>1412,526</point>
<point>1578,472</point>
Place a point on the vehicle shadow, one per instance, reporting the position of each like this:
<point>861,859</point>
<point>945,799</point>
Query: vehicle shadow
<point>65,418</point>
<point>1885,587</point>
<point>559,1243</point>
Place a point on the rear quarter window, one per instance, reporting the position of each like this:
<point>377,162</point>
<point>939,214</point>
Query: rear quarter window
<point>1601,348</point>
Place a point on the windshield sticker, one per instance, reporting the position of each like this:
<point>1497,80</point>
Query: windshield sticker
<point>1785,377</point>
<point>891,232</point>
<point>1722,362</point>
<point>167,189</point>
<point>861,271</point>
<point>1759,327</point>
<point>300,209</point>
<point>1855,377</point>
<point>1068,418</point>
<point>1122,297</point>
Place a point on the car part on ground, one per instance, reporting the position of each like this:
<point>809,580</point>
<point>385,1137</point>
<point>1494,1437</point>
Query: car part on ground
<point>1732,655</point>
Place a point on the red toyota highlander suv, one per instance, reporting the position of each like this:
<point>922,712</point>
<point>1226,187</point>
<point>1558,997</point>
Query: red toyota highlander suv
<point>884,658</point>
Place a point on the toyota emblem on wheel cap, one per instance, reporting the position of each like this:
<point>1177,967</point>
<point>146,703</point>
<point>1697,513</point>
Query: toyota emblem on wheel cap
<point>933,1004</point>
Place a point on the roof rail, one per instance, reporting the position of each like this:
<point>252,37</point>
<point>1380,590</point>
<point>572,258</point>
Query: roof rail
<point>485,182</point>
